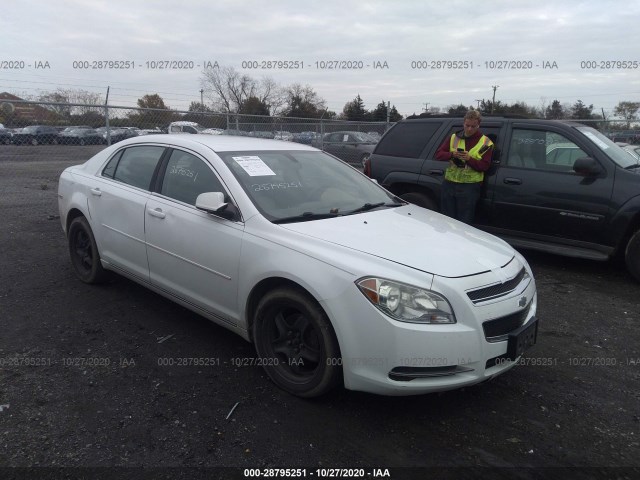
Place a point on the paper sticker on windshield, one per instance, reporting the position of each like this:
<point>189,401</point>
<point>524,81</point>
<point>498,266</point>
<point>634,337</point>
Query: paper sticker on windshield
<point>254,166</point>
<point>596,140</point>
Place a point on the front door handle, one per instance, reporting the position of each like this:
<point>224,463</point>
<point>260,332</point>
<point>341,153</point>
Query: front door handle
<point>96,192</point>
<point>436,172</point>
<point>512,181</point>
<point>158,213</point>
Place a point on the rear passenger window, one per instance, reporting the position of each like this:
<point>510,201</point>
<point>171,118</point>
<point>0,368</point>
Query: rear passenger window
<point>110,169</point>
<point>136,166</point>
<point>407,139</point>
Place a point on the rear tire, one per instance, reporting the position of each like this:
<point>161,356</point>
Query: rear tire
<point>419,199</point>
<point>83,250</point>
<point>296,343</point>
<point>632,255</point>
<point>34,141</point>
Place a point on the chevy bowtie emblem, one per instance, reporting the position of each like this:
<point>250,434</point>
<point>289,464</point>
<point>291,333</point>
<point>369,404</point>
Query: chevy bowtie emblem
<point>522,302</point>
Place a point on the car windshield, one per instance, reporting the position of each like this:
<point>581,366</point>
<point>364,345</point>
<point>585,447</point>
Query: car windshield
<point>306,184</point>
<point>613,151</point>
<point>30,129</point>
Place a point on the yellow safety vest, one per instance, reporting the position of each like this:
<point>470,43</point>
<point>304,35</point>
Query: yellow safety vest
<point>466,174</point>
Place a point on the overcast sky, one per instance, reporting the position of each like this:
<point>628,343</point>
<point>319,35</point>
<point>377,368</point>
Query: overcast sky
<point>387,33</point>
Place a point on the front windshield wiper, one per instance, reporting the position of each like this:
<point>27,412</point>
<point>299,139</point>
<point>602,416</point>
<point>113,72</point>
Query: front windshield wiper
<point>371,206</point>
<point>305,217</point>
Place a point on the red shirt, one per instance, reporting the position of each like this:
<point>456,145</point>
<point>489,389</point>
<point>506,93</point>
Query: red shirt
<point>444,153</point>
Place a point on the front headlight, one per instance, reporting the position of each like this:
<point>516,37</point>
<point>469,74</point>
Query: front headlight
<point>406,303</point>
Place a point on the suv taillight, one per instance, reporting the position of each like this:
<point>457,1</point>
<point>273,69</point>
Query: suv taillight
<point>367,167</point>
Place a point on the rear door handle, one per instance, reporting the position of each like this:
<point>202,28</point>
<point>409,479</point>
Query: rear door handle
<point>158,213</point>
<point>512,181</point>
<point>436,172</point>
<point>96,192</point>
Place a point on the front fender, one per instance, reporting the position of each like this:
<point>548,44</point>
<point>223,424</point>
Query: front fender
<point>624,222</point>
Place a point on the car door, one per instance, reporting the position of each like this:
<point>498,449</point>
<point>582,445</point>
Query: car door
<point>192,254</point>
<point>536,191</point>
<point>117,198</point>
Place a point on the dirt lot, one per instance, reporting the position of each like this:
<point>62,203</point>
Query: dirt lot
<point>86,378</point>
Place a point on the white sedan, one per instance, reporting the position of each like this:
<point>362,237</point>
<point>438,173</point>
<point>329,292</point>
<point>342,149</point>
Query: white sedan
<point>334,279</point>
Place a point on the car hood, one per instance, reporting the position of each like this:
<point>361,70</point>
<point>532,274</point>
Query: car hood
<point>414,237</point>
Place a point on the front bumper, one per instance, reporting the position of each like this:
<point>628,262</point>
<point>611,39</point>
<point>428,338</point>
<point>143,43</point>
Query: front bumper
<point>384,356</point>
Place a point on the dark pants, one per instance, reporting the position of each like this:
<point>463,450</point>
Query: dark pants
<point>458,200</point>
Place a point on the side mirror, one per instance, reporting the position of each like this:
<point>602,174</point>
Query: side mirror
<point>587,166</point>
<point>214,204</point>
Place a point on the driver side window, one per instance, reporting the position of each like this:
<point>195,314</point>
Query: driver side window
<point>543,150</point>
<point>187,176</point>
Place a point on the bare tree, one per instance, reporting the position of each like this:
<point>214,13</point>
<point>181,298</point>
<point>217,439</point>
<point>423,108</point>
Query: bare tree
<point>85,101</point>
<point>228,89</point>
<point>628,111</point>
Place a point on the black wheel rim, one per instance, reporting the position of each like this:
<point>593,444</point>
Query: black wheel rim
<point>295,342</point>
<point>83,253</point>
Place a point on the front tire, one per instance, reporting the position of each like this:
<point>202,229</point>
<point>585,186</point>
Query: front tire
<point>296,343</point>
<point>632,255</point>
<point>83,250</point>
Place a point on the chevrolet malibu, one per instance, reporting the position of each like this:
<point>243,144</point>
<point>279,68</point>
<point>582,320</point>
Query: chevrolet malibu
<point>334,279</point>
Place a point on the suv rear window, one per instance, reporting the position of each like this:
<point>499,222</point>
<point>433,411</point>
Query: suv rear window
<point>407,139</point>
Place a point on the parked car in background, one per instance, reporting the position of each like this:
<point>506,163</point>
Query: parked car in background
<point>375,135</point>
<point>352,147</point>
<point>235,132</point>
<point>150,131</point>
<point>192,127</point>
<point>261,134</point>
<point>133,130</point>
<point>5,136</point>
<point>80,136</point>
<point>283,135</point>
<point>115,134</point>
<point>305,137</point>
<point>334,279</point>
<point>36,135</point>
<point>633,149</point>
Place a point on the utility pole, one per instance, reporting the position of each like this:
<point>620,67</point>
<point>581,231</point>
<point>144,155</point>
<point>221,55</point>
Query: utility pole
<point>493,102</point>
<point>426,107</point>
<point>476,100</point>
<point>201,99</point>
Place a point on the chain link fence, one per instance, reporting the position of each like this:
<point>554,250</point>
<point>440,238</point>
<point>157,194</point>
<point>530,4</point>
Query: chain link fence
<point>43,123</point>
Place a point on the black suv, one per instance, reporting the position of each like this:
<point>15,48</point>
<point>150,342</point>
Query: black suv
<point>560,187</point>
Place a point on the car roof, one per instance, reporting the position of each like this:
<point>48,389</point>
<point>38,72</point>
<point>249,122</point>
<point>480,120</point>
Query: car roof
<point>219,143</point>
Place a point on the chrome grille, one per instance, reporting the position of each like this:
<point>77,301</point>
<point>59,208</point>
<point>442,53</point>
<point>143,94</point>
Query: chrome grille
<point>498,290</point>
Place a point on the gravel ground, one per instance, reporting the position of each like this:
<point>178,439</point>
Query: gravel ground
<point>85,385</point>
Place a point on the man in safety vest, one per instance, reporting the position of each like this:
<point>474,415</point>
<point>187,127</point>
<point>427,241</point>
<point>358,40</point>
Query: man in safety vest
<point>469,155</point>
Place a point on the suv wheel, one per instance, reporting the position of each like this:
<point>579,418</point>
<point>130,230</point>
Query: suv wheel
<point>632,255</point>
